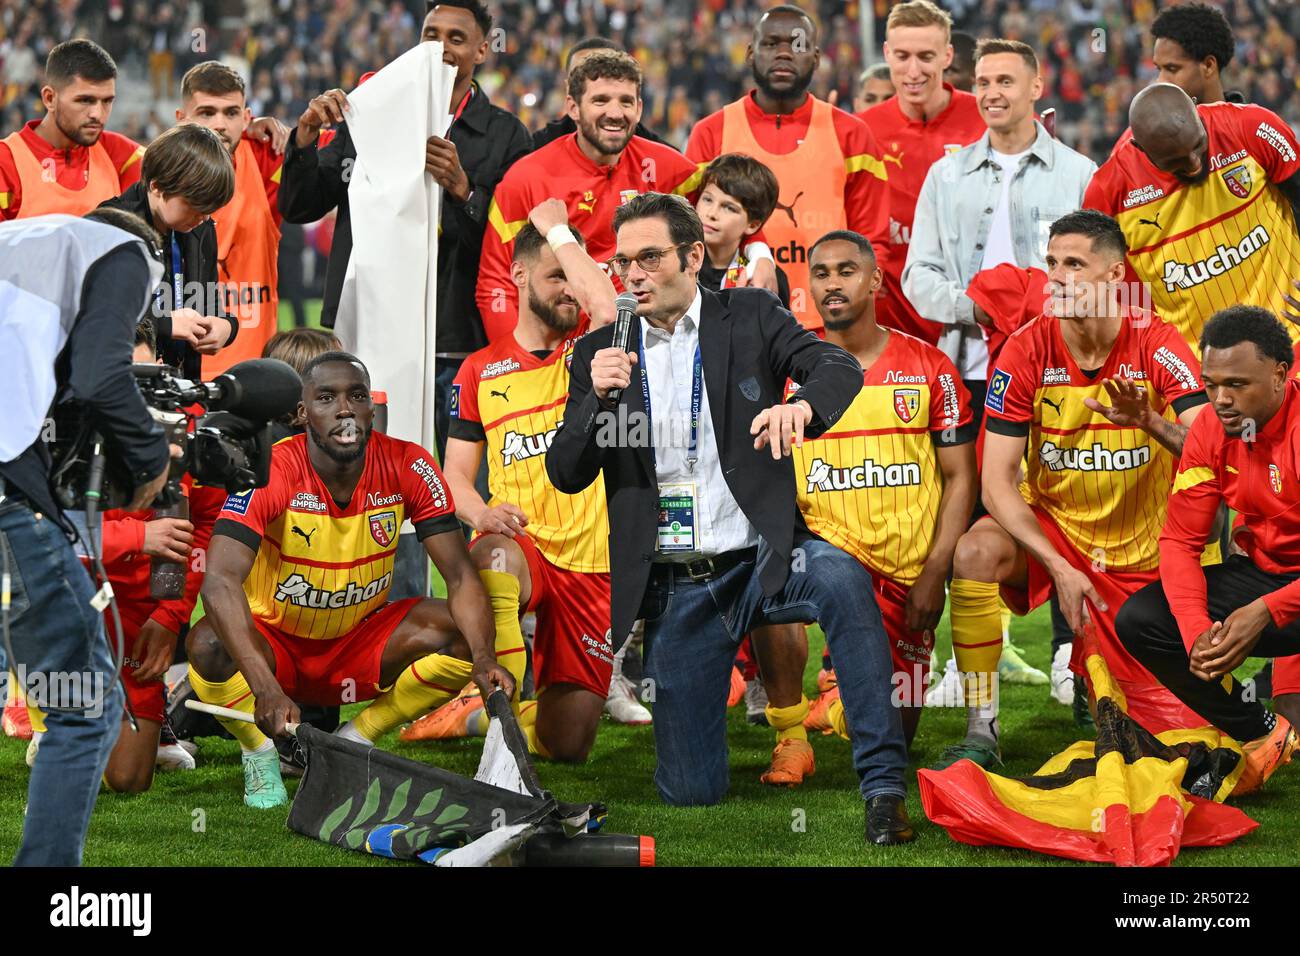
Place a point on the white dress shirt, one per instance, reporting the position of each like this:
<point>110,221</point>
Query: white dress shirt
<point>720,525</point>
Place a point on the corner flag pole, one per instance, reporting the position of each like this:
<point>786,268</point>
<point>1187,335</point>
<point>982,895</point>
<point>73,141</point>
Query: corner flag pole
<point>216,710</point>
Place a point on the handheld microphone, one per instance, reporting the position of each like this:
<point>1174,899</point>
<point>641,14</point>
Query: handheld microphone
<point>626,305</point>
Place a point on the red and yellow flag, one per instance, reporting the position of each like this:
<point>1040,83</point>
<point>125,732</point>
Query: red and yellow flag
<point>1131,798</point>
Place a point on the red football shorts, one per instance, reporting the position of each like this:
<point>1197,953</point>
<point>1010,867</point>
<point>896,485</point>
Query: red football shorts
<point>340,670</point>
<point>1149,702</point>
<point>909,649</point>
<point>148,699</point>
<point>572,644</point>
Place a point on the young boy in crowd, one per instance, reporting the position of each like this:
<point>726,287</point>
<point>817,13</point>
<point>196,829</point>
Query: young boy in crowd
<point>737,195</point>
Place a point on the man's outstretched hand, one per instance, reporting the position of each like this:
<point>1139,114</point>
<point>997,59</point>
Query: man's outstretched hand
<point>781,427</point>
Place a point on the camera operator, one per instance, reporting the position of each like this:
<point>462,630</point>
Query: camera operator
<point>71,293</point>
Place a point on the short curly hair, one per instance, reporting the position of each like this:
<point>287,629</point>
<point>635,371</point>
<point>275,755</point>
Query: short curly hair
<point>1201,30</point>
<point>603,65</point>
<point>1249,323</point>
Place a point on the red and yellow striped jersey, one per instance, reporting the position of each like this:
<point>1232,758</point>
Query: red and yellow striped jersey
<point>1227,240</point>
<point>1105,485</point>
<point>322,567</point>
<point>513,401</point>
<point>871,484</point>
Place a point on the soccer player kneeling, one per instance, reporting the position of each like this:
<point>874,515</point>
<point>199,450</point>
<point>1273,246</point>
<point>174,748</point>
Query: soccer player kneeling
<point>298,577</point>
<point>537,548</point>
<point>893,481</point>
<point>1195,625</point>
<point>1096,477</point>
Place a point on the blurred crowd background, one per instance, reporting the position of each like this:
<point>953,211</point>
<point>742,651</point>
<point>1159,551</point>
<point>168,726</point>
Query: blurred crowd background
<point>1096,53</point>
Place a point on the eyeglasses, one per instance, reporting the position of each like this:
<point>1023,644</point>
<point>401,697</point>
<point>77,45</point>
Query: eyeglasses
<point>649,260</point>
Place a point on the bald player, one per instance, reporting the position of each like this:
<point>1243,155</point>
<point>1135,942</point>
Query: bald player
<point>1204,196</point>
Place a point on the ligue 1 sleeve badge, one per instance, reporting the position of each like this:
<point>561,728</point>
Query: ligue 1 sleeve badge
<point>383,527</point>
<point>1275,478</point>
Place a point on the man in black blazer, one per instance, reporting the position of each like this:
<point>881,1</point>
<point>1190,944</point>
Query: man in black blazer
<point>706,540</point>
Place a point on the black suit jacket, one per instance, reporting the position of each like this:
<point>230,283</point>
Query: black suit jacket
<point>749,347</point>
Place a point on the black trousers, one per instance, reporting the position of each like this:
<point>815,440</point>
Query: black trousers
<point>1147,629</point>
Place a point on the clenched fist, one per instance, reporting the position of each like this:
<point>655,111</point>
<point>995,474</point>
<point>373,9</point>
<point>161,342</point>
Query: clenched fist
<point>611,368</point>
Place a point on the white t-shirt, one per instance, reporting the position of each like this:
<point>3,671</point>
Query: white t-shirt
<point>998,248</point>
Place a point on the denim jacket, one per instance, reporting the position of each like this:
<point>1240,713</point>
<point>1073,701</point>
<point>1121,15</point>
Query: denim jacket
<point>955,211</point>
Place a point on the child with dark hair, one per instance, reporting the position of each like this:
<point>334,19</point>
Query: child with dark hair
<point>737,195</point>
<point>186,176</point>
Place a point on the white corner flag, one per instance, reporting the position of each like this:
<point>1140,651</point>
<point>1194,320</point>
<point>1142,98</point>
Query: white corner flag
<point>387,311</point>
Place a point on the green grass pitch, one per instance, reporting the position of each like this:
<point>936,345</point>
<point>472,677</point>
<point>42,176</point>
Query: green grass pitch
<point>197,818</point>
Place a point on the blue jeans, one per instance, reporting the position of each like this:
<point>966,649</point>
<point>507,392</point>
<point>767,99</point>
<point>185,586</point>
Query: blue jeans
<point>63,658</point>
<point>691,634</point>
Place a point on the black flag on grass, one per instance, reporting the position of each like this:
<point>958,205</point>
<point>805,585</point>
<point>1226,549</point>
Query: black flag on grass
<point>369,800</point>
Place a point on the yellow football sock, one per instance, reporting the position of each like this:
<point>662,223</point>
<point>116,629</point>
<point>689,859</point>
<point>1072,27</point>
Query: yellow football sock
<point>15,696</point>
<point>835,714</point>
<point>788,721</point>
<point>526,714</point>
<point>503,591</point>
<point>424,686</point>
<point>976,636</point>
<point>37,717</point>
<point>1004,619</point>
<point>237,695</point>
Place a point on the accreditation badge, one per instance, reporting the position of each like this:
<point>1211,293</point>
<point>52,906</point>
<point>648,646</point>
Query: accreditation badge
<point>677,517</point>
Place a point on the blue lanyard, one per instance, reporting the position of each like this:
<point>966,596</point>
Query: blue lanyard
<point>178,275</point>
<point>697,397</point>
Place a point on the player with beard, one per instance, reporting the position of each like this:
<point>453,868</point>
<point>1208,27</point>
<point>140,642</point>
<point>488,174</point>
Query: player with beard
<point>248,227</point>
<point>594,171</point>
<point>905,448</point>
<point>89,163</point>
<point>826,161</point>
<point>1205,196</point>
<point>540,549</point>
<point>298,576</point>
